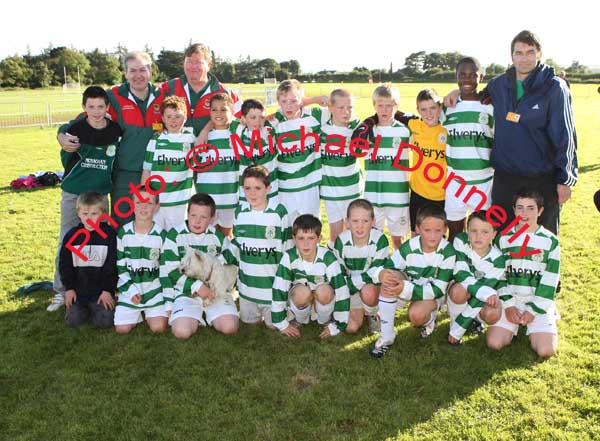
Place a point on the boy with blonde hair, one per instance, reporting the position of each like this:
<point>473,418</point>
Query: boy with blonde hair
<point>90,275</point>
<point>361,249</point>
<point>298,163</point>
<point>141,269</point>
<point>341,171</point>
<point>386,186</point>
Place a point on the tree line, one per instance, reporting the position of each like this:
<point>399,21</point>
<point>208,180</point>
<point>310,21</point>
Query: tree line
<point>55,65</point>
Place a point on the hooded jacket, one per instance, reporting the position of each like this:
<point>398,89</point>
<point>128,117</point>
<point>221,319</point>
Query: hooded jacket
<point>543,141</point>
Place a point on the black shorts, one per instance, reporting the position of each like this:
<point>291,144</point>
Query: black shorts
<point>416,202</point>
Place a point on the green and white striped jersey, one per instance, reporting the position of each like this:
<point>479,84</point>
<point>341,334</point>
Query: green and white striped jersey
<point>428,273</point>
<point>470,128</point>
<point>140,265</point>
<point>361,263</point>
<point>531,281</point>
<point>267,158</point>
<point>482,277</point>
<point>222,180</point>
<point>298,169</point>
<point>386,185</point>
<point>341,170</point>
<point>165,157</point>
<point>293,270</point>
<point>212,241</point>
<point>261,238</point>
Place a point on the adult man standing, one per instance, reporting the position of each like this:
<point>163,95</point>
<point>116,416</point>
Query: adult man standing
<point>197,85</point>
<point>534,136</point>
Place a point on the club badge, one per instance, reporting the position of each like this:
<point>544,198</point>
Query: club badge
<point>270,232</point>
<point>537,257</point>
<point>319,279</point>
<point>442,138</point>
<point>111,150</point>
<point>154,253</point>
<point>478,275</point>
<point>212,250</point>
<point>483,118</point>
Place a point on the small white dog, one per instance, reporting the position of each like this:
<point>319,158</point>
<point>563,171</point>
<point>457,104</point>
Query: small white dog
<point>220,278</point>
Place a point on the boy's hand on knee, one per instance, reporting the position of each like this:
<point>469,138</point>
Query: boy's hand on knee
<point>389,277</point>
<point>106,300</point>
<point>136,299</point>
<point>205,293</point>
<point>513,315</point>
<point>392,290</point>
<point>492,301</point>
<point>291,331</point>
<point>527,318</point>
<point>70,298</point>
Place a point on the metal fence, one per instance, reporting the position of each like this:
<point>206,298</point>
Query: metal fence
<point>37,113</point>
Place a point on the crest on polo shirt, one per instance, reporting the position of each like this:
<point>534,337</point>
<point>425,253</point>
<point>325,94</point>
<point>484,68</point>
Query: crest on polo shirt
<point>478,275</point>
<point>212,249</point>
<point>319,279</point>
<point>270,232</point>
<point>154,253</point>
<point>537,257</point>
<point>403,220</point>
<point>442,138</point>
<point>483,118</point>
<point>111,150</point>
<point>396,141</point>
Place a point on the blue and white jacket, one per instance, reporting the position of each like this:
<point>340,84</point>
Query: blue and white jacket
<point>544,139</point>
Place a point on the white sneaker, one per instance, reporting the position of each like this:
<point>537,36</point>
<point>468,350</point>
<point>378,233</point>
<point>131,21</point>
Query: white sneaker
<point>428,328</point>
<point>57,301</point>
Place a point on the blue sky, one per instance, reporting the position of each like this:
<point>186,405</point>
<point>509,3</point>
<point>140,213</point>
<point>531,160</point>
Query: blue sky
<point>319,34</point>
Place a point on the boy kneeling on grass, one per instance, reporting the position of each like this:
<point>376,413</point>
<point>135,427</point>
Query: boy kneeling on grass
<point>532,279</point>
<point>307,274</point>
<point>418,272</point>
<point>139,256</point>
<point>90,283</point>
<point>478,274</point>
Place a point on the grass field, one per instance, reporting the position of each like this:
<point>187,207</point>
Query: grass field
<point>84,384</point>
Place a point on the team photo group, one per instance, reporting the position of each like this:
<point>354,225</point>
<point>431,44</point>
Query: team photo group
<point>447,203</point>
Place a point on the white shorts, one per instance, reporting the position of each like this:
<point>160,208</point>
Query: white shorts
<point>224,217</point>
<point>252,312</point>
<point>132,316</point>
<point>336,210</point>
<point>192,308</point>
<point>541,323</point>
<point>169,217</point>
<point>455,207</point>
<point>301,202</point>
<point>398,220</point>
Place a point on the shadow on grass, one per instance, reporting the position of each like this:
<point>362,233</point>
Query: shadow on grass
<point>256,385</point>
<point>589,168</point>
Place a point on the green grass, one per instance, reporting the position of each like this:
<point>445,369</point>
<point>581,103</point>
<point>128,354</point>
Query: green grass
<point>84,384</point>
